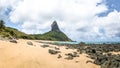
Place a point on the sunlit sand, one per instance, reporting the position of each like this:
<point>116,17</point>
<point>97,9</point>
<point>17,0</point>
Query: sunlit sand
<point>22,55</point>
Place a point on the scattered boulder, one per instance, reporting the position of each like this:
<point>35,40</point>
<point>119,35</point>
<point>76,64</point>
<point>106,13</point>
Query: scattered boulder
<point>105,64</point>
<point>29,43</point>
<point>75,54</point>
<point>100,59</point>
<point>69,57</point>
<point>13,41</point>
<point>44,46</point>
<point>77,61</point>
<point>53,51</point>
<point>89,61</point>
<point>59,56</point>
<point>57,48</point>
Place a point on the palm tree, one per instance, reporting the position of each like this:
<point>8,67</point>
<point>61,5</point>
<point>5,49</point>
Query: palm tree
<point>2,25</point>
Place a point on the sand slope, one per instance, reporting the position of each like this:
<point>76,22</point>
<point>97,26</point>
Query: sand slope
<point>22,55</point>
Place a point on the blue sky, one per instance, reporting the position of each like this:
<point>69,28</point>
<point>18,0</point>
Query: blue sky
<point>81,20</point>
<point>112,5</point>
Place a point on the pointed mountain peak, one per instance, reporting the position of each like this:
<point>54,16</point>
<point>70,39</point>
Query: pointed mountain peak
<point>54,27</point>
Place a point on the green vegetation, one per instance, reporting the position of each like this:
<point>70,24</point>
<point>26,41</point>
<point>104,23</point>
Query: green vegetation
<point>56,36</point>
<point>12,32</point>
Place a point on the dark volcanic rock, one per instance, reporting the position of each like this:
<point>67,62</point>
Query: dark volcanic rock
<point>57,48</point>
<point>53,51</point>
<point>100,53</point>
<point>55,27</point>
<point>100,60</point>
<point>70,56</point>
<point>13,41</point>
<point>113,62</point>
<point>59,56</point>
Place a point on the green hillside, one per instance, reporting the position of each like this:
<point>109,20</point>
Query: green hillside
<point>52,35</point>
<point>12,32</point>
<point>56,36</point>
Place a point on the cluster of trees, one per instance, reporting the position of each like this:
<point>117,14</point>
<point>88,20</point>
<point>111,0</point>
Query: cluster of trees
<point>2,25</point>
<point>6,31</point>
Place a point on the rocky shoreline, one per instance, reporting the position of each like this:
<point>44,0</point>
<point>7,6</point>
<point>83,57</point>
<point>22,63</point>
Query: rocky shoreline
<point>100,53</point>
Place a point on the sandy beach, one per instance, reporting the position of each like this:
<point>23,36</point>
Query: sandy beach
<point>22,55</point>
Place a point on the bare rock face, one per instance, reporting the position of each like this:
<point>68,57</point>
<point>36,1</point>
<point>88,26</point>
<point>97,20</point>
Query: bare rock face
<point>54,27</point>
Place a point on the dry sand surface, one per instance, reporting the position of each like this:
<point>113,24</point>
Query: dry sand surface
<point>22,55</point>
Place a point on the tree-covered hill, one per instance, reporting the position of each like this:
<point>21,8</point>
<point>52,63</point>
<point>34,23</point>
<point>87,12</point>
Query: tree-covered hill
<point>54,35</point>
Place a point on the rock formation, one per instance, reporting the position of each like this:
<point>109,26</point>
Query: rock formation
<point>54,27</point>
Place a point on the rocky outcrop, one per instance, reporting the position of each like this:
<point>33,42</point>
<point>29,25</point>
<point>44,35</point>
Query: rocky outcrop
<point>54,27</point>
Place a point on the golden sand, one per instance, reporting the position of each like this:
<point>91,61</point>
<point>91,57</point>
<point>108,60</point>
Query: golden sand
<point>22,55</point>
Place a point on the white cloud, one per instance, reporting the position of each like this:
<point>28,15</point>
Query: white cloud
<point>111,23</point>
<point>6,6</point>
<point>77,18</point>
